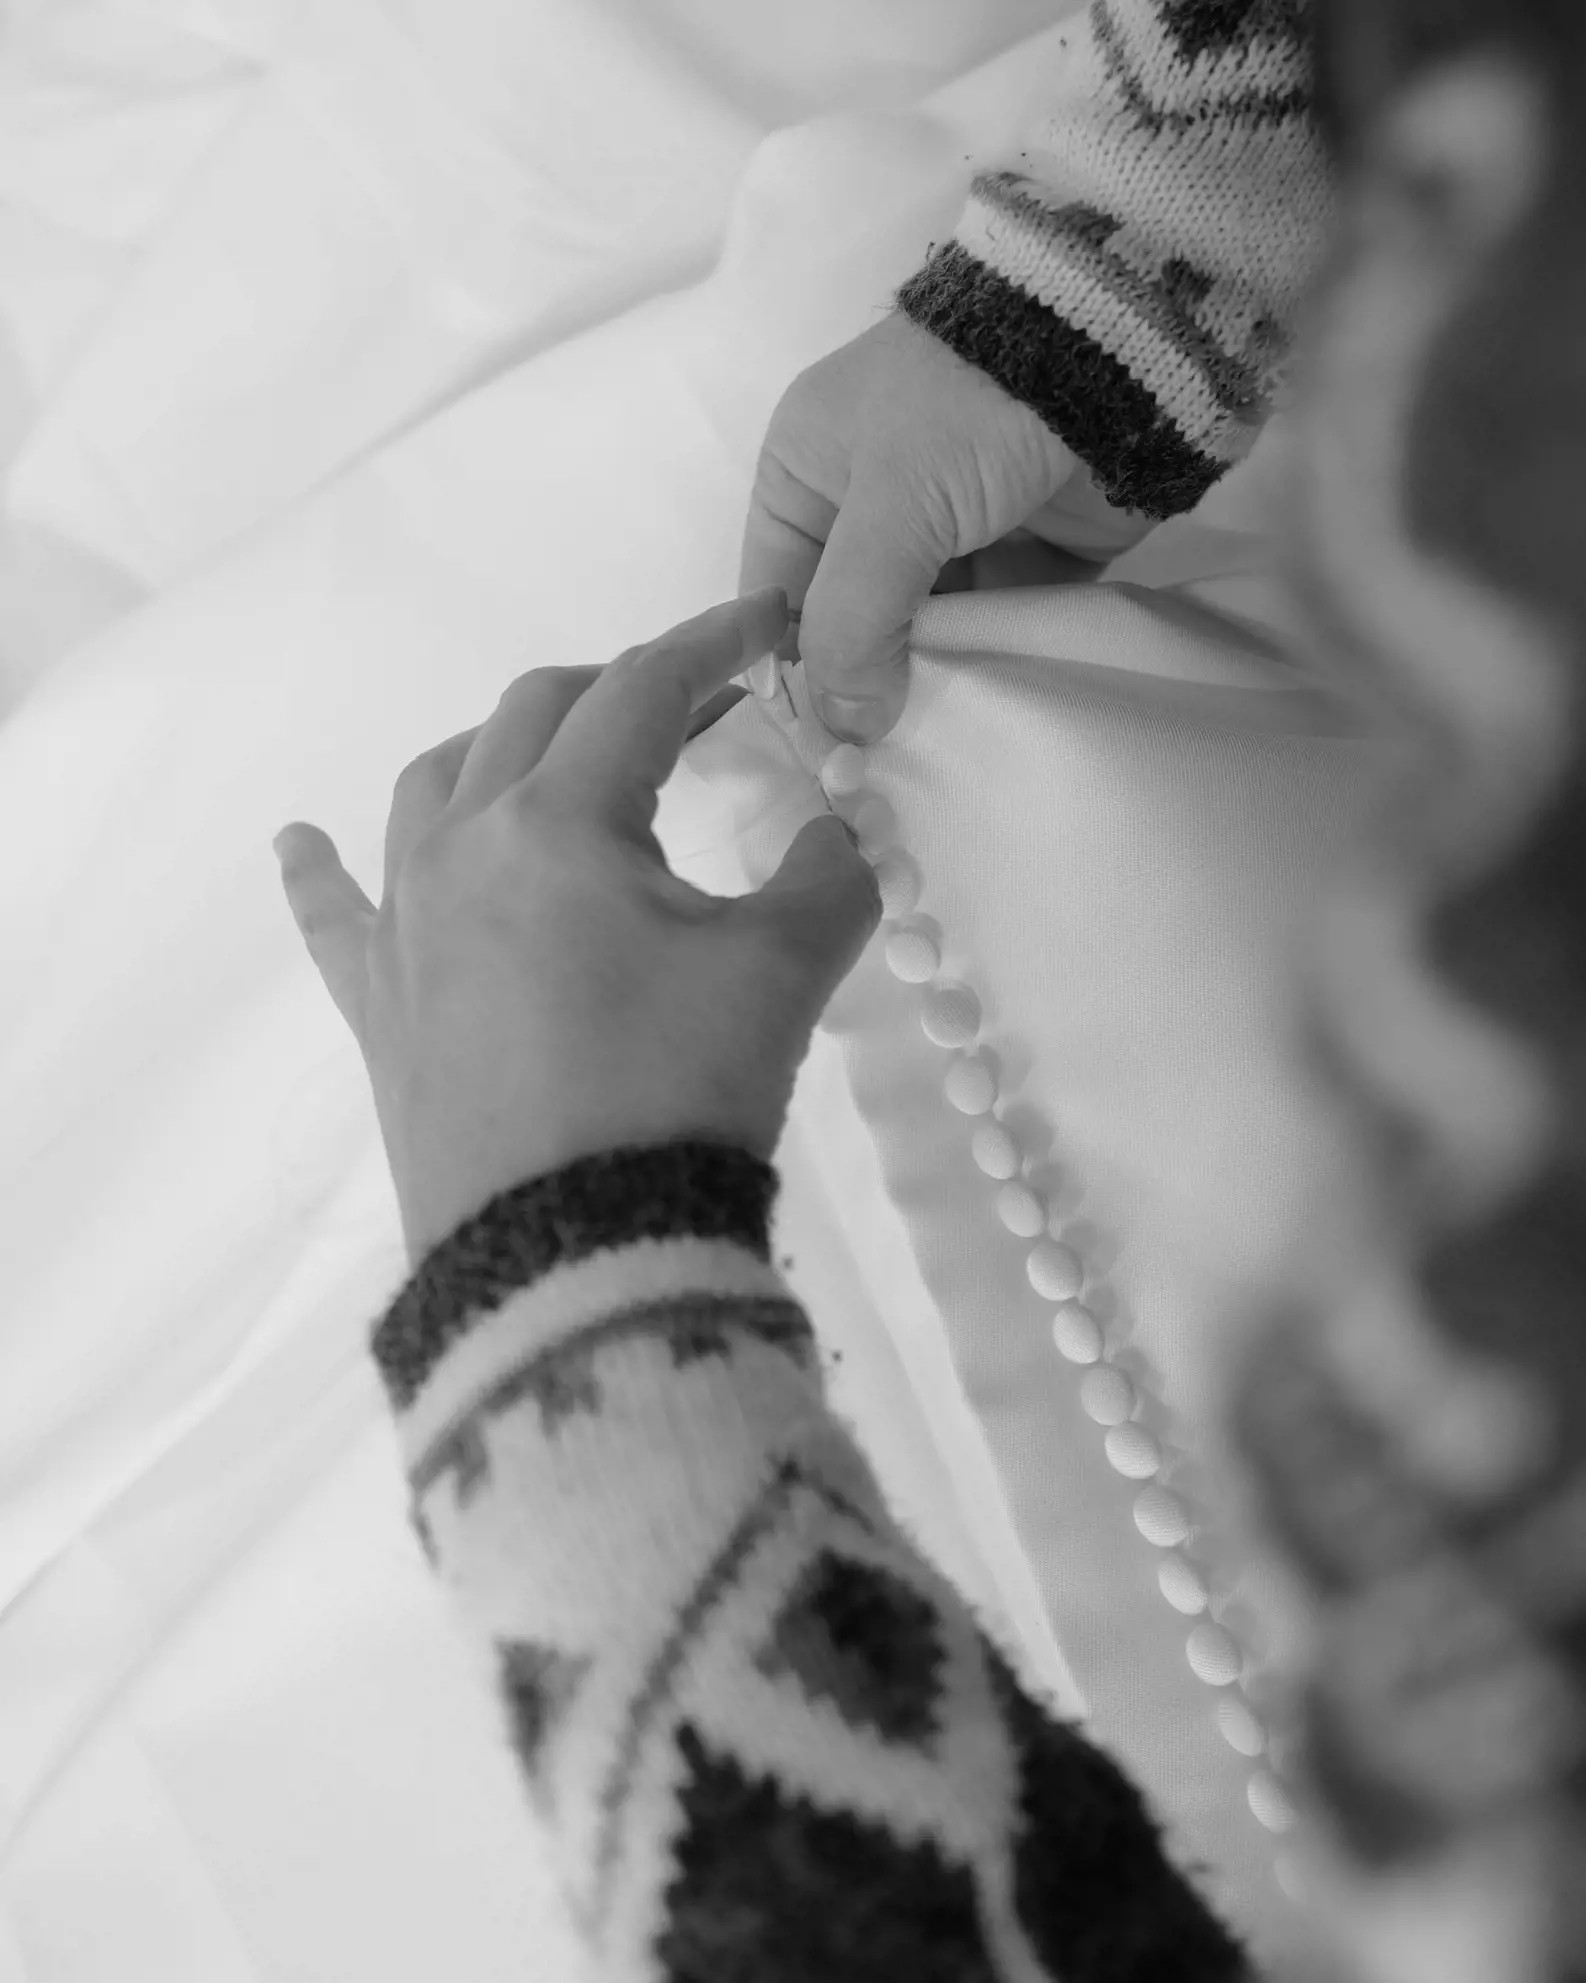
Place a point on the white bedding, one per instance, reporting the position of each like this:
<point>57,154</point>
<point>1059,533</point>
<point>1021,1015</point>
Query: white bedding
<point>335,399</point>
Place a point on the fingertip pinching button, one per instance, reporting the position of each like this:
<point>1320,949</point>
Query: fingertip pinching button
<point>843,772</point>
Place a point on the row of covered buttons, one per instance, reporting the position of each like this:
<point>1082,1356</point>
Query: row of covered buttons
<point>950,1017</point>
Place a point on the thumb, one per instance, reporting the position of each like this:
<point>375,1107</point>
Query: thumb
<point>824,903</point>
<point>881,559</point>
<point>332,913</point>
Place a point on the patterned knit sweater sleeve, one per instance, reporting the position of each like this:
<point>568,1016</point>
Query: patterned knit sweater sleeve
<point>1134,274</point>
<point>759,1735</point>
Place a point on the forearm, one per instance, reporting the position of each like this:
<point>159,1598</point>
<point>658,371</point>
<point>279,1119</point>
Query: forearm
<point>749,1715</point>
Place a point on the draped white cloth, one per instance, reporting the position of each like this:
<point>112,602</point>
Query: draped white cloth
<point>362,357</point>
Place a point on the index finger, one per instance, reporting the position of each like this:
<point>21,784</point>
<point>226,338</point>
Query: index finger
<point>621,741</point>
<point>784,540</point>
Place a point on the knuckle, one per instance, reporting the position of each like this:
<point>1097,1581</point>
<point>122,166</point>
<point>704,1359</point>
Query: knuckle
<point>526,688</point>
<point>779,490</point>
<point>808,439</point>
<point>428,870</point>
<point>422,776</point>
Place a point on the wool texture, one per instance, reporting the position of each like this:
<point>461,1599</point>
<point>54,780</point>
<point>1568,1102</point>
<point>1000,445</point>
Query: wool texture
<point>760,1735</point>
<point>1134,275</point>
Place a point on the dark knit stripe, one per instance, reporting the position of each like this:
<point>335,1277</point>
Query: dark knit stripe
<point>1094,1890</point>
<point>1253,109</point>
<point>1137,455</point>
<point>1078,233</point>
<point>678,1190</point>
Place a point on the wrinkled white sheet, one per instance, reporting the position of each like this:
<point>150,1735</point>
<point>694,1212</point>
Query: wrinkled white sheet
<point>333,396</point>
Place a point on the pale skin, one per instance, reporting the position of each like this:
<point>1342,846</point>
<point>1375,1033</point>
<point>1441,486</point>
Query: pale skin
<point>891,468</point>
<point>536,985</point>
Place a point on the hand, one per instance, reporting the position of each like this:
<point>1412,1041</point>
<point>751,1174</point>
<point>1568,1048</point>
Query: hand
<point>884,462</point>
<point>537,985</point>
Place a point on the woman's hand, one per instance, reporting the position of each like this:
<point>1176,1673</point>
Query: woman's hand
<point>537,985</point>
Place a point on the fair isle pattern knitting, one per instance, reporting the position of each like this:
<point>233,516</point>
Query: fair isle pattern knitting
<point>1135,280</point>
<point>761,1736</point>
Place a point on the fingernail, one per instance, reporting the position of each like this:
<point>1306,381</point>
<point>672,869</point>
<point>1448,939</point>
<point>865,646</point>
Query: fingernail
<point>855,719</point>
<point>761,677</point>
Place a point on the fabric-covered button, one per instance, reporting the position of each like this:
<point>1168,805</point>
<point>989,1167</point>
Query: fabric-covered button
<point>1021,1211</point>
<point>1133,1452</point>
<point>970,1087</point>
<point>951,1015</point>
<point>843,772</point>
<point>996,1152</point>
<point>899,884</point>
<point>1055,1271</point>
<point>1269,1802</point>
<point>1161,1517</point>
<point>1106,1395</point>
<point>1183,1586</point>
<point>1239,1727</point>
<point>1214,1655</point>
<point>912,956</point>
<point>1077,1333</point>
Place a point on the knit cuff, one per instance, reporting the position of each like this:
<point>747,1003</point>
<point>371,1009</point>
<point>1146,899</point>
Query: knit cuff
<point>1063,309</point>
<point>708,1191</point>
<point>1134,275</point>
<point>755,1723</point>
